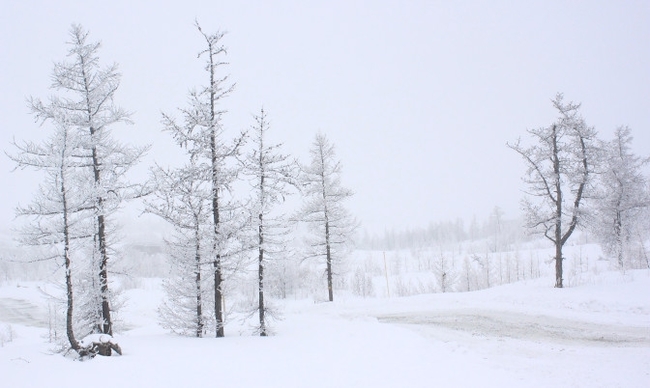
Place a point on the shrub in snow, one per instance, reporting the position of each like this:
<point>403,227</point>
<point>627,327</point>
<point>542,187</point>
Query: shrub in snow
<point>6,334</point>
<point>94,344</point>
<point>362,284</point>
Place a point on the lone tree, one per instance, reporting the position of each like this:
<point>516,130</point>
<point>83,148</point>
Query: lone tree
<point>201,134</point>
<point>560,166</point>
<point>622,198</point>
<point>330,222</point>
<point>271,174</point>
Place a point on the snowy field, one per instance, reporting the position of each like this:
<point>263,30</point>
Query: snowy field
<point>525,334</point>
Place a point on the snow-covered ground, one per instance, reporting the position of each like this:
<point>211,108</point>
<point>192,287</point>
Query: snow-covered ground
<point>525,334</point>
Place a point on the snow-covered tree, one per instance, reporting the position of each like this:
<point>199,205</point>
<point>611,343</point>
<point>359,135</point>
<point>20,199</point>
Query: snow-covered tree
<point>622,197</point>
<point>362,284</point>
<point>85,181</point>
<point>182,198</point>
<point>271,174</point>
<point>201,135</point>
<point>58,214</point>
<point>560,166</point>
<point>496,220</point>
<point>445,273</point>
<point>86,101</point>
<point>323,210</point>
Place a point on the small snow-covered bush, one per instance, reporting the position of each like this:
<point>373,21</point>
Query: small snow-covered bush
<point>6,334</point>
<point>102,344</point>
<point>362,284</point>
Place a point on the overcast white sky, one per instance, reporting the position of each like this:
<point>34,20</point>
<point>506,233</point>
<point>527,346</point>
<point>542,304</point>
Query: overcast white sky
<point>419,97</point>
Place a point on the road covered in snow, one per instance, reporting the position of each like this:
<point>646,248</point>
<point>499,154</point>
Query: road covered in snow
<point>537,328</point>
<point>595,334</point>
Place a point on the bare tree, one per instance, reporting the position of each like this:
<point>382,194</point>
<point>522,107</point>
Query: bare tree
<point>330,222</point>
<point>622,197</point>
<point>201,134</point>
<point>559,170</point>
<point>271,174</point>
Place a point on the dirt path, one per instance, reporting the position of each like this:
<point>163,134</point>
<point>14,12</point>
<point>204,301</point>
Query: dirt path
<point>539,328</point>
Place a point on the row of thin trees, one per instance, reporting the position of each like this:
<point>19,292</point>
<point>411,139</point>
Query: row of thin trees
<point>217,229</point>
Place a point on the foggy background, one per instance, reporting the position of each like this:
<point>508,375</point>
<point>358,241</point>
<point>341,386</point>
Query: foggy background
<point>419,97</point>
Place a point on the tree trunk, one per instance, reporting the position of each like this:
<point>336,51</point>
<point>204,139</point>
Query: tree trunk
<point>218,275</point>
<point>618,233</point>
<point>68,270</point>
<point>261,307</point>
<point>558,266</point>
<point>197,269</point>
<point>107,326</point>
<point>218,295</point>
<point>558,212</point>
<point>69,312</point>
<point>330,289</point>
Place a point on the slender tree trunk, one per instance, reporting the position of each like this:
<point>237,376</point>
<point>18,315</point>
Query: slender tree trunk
<point>66,255</point>
<point>70,302</point>
<point>197,269</point>
<point>218,310</point>
<point>558,265</point>
<point>261,307</point>
<point>558,249</point>
<point>330,289</point>
<point>618,231</point>
<point>328,250</point>
<point>218,275</point>
<point>107,325</point>
<point>558,213</point>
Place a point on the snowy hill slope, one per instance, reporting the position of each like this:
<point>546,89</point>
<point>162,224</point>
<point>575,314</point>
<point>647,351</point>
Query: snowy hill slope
<point>525,334</point>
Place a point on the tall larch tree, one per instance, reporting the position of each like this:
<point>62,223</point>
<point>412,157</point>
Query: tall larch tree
<point>330,223</point>
<point>270,174</point>
<point>88,170</point>
<point>87,102</point>
<point>623,197</point>
<point>202,136</point>
<point>182,197</point>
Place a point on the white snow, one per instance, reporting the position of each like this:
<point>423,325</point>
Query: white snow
<point>526,334</point>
